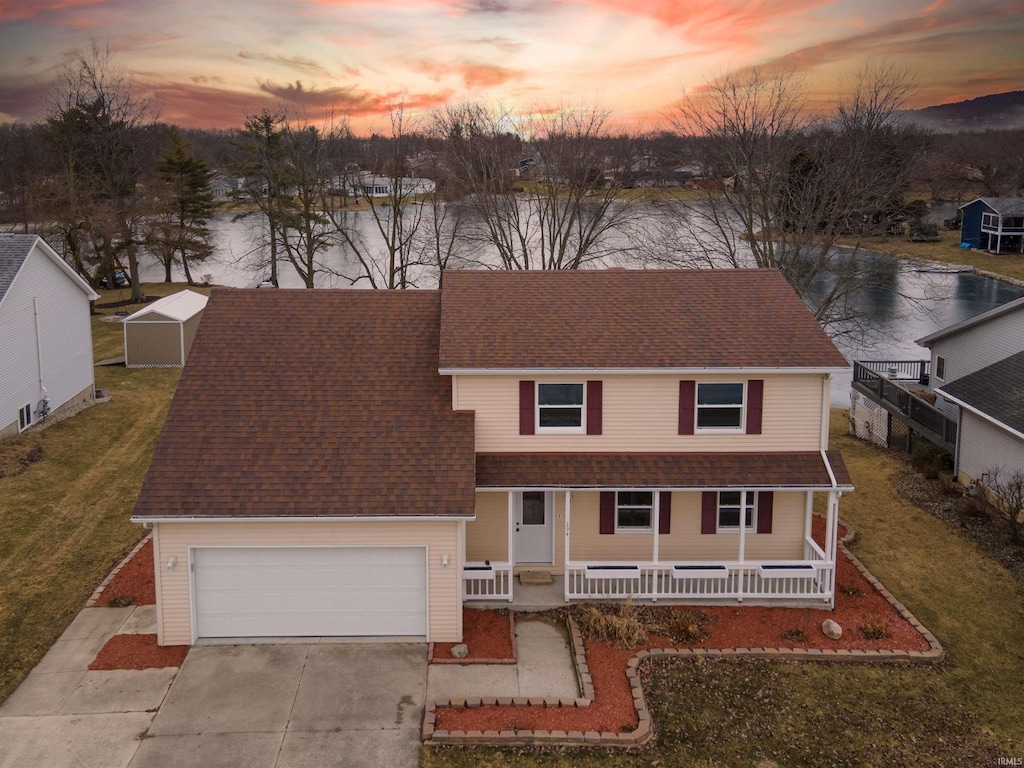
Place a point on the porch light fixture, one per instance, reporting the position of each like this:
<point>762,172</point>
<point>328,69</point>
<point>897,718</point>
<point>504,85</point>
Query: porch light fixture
<point>444,561</point>
<point>171,562</point>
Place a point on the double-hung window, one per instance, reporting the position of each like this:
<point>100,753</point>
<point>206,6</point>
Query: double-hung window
<point>940,367</point>
<point>634,511</point>
<point>560,407</point>
<point>720,406</point>
<point>734,506</point>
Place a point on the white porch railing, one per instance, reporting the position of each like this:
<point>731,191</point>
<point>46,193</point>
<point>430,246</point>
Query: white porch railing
<point>807,579</point>
<point>487,581</point>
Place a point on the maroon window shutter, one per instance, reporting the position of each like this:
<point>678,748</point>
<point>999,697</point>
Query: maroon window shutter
<point>765,503</point>
<point>665,512</point>
<point>687,403</point>
<point>755,395</point>
<point>607,511</point>
<point>594,397</point>
<point>527,391</point>
<point>709,512</point>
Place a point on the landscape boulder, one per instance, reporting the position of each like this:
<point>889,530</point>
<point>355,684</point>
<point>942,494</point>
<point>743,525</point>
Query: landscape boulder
<point>460,651</point>
<point>829,629</point>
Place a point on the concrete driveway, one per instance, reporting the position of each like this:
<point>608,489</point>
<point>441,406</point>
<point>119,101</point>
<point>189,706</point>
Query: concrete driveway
<point>258,706</point>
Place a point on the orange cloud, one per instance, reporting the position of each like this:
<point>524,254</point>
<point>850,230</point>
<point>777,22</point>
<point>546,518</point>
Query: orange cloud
<point>473,74</point>
<point>351,100</point>
<point>19,10</point>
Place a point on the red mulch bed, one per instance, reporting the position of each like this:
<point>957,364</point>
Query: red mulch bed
<point>487,634</point>
<point>134,584</point>
<point>138,652</point>
<point>731,627</point>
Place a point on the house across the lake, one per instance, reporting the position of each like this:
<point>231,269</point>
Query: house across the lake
<point>342,463</point>
<point>993,224</point>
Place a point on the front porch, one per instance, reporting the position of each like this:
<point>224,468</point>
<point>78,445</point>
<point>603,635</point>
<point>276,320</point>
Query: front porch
<point>684,556</point>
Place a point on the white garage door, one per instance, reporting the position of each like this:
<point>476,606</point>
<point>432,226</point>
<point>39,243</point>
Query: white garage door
<point>310,591</point>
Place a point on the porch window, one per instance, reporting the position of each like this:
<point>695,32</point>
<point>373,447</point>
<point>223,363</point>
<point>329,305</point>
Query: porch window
<point>720,406</point>
<point>560,407</point>
<point>734,506</point>
<point>634,511</point>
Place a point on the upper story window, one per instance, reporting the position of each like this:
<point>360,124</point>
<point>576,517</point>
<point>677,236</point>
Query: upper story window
<point>634,511</point>
<point>940,367</point>
<point>720,406</point>
<point>560,407</point>
<point>734,506</point>
<point>990,220</point>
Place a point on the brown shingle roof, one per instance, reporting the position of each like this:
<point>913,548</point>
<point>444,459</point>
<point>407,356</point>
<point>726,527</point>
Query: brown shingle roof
<point>629,319</point>
<point>658,470</point>
<point>313,403</point>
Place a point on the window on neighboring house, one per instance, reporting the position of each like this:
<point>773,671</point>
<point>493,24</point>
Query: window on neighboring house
<point>734,506</point>
<point>560,407</point>
<point>634,510</point>
<point>720,406</point>
<point>940,367</point>
<point>24,417</point>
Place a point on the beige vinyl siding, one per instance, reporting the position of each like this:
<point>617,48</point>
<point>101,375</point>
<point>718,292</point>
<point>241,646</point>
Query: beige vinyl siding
<point>685,541</point>
<point>985,447</point>
<point>641,413</point>
<point>440,538</point>
<point>487,535</point>
<point>189,328</point>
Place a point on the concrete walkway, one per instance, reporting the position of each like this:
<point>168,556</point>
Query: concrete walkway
<point>544,668</point>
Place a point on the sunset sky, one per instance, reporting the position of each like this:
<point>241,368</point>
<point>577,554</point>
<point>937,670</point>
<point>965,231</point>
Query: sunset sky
<point>208,62</point>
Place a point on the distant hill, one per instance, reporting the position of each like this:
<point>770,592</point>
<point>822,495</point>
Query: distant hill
<point>998,110</point>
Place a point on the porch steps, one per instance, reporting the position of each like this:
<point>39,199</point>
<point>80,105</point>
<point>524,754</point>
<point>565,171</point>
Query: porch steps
<point>534,578</point>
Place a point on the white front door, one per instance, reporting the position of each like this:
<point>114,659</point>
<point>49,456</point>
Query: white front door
<point>534,527</point>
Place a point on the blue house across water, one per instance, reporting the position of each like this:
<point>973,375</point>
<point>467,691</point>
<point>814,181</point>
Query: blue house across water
<point>993,224</point>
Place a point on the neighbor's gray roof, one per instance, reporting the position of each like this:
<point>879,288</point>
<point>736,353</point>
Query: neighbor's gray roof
<point>996,391</point>
<point>1005,206</point>
<point>970,322</point>
<point>14,249</point>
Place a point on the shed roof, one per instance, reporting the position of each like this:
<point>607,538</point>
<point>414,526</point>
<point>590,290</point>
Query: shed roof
<point>619,319</point>
<point>15,248</point>
<point>996,391</point>
<point>322,403</point>
<point>178,306</point>
<point>970,322</point>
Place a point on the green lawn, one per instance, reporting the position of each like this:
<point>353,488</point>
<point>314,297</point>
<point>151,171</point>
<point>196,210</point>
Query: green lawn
<point>735,713</point>
<point>64,521</point>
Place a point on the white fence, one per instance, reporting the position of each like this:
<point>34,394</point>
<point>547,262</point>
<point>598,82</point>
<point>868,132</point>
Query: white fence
<point>487,581</point>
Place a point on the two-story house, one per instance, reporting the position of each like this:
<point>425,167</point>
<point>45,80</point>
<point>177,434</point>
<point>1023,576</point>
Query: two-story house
<point>340,463</point>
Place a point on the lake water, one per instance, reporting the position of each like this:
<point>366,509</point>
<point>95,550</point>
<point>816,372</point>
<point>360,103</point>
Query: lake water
<point>916,298</point>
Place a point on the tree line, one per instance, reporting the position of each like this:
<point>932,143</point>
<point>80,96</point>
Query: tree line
<point>774,183</point>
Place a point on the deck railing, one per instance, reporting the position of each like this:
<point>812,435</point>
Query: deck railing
<point>886,387</point>
<point>487,581</point>
<point>808,579</point>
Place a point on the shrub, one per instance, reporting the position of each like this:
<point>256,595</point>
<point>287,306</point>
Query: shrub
<point>930,459</point>
<point>794,635</point>
<point>850,590</point>
<point>874,628</point>
<point>681,626</point>
<point>617,624</point>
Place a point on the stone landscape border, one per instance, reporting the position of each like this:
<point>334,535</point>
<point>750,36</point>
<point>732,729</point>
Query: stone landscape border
<point>91,602</point>
<point>644,730</point>
<point>432,659</point>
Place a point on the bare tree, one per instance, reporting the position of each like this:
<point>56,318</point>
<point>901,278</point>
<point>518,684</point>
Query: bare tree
<point>1004,489</point>
<point>791,186</point>
<point>544,190</point>
<point>393,258</point>
<point>100,127</point>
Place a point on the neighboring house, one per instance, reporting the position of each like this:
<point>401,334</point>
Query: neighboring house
<point>46,363</point>
<point>160,335</point>
<point>993,224</point>
<point>384,186</point>
<point>961,399</point>
<point>341,462</point>
<point>224,187</point>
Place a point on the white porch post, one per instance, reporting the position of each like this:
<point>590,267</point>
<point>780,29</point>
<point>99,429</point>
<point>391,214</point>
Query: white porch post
<point>831,548</point>
<point>743,526</point>
<point>656,523</point>
<point>808,514</point>
<point>511,532</point>
<point>565,553</point>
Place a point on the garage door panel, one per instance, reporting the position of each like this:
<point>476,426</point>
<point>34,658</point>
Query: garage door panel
<point>322,591</point>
